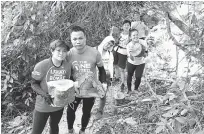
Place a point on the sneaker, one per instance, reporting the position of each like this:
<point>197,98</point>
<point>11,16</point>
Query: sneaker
<point>135,92</point>
<point>122,87</point>
<point>116,80</point>
<point>99,115</point>
<point>81,132</point>
<point>71,131</point>
<point>129,92</point>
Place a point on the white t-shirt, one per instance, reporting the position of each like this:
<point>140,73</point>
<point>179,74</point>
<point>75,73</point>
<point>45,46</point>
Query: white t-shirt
<point>124,40</point>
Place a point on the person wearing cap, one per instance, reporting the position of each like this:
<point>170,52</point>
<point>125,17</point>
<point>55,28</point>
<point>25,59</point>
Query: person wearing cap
<point>136,51</point>
<point>84,60</point>
<point>51,69</point>
<point>120,58</point>
<point>140,26</point>
<point>105,49</point>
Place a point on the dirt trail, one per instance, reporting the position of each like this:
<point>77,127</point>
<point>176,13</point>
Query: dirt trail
<point>77,124</point>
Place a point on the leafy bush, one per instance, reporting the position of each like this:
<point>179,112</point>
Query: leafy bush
<point>29,27</point>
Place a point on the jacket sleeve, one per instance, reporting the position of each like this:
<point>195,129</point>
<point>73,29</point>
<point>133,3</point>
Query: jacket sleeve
<point>102,74</point>
<point>35,84</point>
<point>37,75</point>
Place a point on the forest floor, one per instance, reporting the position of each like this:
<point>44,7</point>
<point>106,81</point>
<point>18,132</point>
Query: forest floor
<point>108,111</point>
<point>111,114</point>
<point>143,112</point>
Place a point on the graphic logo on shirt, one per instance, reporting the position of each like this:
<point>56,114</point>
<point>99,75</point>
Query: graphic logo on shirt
<point>75,65</point>
<point>36,73</point>
<point>56,74</point>
<point>81,66</point>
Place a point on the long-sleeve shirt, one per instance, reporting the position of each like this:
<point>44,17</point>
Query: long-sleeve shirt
<point>107,56</point>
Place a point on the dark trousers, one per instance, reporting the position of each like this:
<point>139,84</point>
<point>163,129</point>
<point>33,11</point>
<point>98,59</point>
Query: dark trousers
<point>86,109</point>
<point>40,119</point>
<point>138,74</point>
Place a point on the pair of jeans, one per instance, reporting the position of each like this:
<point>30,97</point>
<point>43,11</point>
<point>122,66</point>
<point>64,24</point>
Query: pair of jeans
<point>138,69</point>
<point>86,109</point>
<point>40,119</point>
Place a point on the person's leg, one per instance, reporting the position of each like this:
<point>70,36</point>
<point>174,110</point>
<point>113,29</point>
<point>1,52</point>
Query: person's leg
<point>116,72</point>
<point>103,100</point>
<point>39,121</point>
<point>122,74</point>
<point>122,64</point>
<point>71,109</point>
<point>87,106</point>
<point>54,121</point>
<point>102,104</point>
<point>115,65</point>
<point>130,71</point>
<point>138,75</point>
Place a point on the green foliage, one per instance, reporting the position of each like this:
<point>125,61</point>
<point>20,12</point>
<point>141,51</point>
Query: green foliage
<point>23,45</point>
<point>29,27</point>
<point>177,108</point>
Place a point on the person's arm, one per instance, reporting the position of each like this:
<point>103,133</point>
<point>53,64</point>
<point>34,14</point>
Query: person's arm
<point>101,69</point>
<point>37,76</point>
<point>128,52</point>
<point>102,77</point>
<point>146,30</point>
<point>146,49</point>
<point>35,84</point>
<point>102,74</point>
<point>110,65</point>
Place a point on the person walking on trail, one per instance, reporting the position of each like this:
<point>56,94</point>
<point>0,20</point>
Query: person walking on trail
<point>120,58</point>
<point>139,24</point>
<point>115,33</point>
<point>51,69</point>
<point>84,59</point>
<point>105,49</point>
<point>136,51</point>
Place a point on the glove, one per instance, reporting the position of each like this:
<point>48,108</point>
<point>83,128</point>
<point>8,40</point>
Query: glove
<point>131,57</point>
<point>105,87</point>
<point>47,98</point>
<point>76,86</point>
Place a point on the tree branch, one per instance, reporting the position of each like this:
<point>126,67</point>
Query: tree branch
<point>196,55</point>
<point>180,24</point>
<point>202,33</point>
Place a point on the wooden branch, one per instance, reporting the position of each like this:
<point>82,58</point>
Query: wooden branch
<point>180,24</point>
<point>162,79</point>
<point>128,104</point>
<point>197,56</point>
<point>202,33</point>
